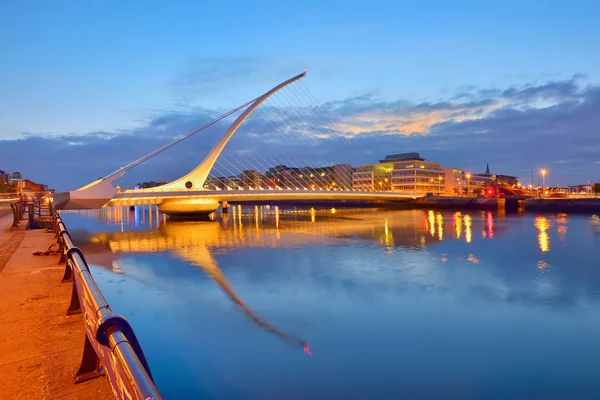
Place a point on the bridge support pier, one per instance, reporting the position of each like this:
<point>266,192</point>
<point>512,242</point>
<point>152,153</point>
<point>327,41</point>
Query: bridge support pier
<point>189,208</point>
<point>224,207</point>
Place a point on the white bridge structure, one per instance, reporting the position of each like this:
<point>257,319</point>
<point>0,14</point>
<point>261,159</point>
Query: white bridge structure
<point>189,194</point>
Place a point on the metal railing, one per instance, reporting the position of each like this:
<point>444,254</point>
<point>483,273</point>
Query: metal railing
<point>111,347</point>
<point>18,209</point>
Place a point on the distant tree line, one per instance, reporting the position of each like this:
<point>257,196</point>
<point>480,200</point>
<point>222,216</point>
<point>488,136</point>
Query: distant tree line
<point>596,188</point>
<point>7,188</point>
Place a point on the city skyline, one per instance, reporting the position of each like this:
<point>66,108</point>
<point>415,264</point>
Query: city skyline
<point>460,85</point>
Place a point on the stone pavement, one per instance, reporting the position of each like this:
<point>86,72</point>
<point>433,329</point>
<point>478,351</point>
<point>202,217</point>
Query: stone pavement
<point>40,346</point>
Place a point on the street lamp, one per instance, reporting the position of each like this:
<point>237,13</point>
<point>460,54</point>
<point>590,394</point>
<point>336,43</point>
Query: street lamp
<point>543,181</point>
<point>468,183</point>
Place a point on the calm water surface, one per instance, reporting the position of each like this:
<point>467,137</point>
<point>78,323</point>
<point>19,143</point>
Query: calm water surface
<point>356,304</point>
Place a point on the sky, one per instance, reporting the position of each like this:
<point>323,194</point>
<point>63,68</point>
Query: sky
<point>86,87</point>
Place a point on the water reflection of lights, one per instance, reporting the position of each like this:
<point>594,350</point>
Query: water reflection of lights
<point>440,226</point>
<point>543,266</point>
<point>490,225</point>
<point>473,259</point>
<point>562,233</point>
<point>442,258</point>
<point>457,221</point>
<point>468,231</point>
<point>312,214</point>
<point>542,224</point>
<point>561,218</point>
<point>431,217</point>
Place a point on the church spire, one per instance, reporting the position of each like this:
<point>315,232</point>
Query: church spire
<point>487,168</point>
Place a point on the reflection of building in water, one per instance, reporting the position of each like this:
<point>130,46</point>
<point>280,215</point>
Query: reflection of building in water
<point>542,224</point>
<point>596,224</point>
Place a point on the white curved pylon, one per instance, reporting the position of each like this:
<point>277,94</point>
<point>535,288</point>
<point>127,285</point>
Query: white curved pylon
<point>196,178</point>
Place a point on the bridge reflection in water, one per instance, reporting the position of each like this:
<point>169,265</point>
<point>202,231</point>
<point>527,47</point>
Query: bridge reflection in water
<point>263,226</point>
<point>146,230</point>
<point>384,296</point>
<point>257,226</point>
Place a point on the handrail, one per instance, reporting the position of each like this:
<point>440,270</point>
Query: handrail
<point>17,209</point>
<point>111,346</point>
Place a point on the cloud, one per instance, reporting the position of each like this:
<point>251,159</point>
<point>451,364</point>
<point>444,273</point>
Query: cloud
<point>553,124</point>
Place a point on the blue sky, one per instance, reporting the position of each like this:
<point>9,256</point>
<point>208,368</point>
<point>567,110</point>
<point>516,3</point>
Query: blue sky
<point>77,69</point>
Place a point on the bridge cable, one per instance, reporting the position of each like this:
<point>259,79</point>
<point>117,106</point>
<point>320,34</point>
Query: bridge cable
<point>299,117</point>
<point>286,119</point>
<point>327,122</point>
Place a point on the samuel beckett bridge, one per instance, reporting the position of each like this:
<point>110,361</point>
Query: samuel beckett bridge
<point>288,121</point>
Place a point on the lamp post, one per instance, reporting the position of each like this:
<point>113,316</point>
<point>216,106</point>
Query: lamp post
<point>543,181</point>
<point>468,183</point>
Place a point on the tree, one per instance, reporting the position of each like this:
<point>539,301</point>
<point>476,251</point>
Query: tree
<point>6,188</point>
<point>596,188</point>
<point>477,191</point>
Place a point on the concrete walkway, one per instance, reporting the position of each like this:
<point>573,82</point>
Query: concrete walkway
<point>40,346</point>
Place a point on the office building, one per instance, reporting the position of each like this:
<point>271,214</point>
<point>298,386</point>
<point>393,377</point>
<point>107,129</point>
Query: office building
<point>406,172</point>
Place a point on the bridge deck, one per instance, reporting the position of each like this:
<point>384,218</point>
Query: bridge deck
<point>158,196</point>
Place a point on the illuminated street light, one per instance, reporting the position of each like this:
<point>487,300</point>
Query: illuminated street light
<point>543,172</point>
<point>468,183</point>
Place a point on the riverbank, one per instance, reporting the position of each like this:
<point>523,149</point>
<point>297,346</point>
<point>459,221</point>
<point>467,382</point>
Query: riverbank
<point>588,205</point>
<point>564,205</point>
<point>41,346</point>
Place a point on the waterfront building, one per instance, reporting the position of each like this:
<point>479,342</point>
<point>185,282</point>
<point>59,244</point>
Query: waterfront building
<point>149,184</point>
<point>224,183</point>
<point>251,179</point>
<point>486,178</point>
<point>15,178</point>
<point>333,177</point>
<point>4,177</point>
<point>406,172</point>
<point>455,181</point>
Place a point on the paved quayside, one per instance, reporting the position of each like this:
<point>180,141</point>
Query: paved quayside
<point>40,346</point>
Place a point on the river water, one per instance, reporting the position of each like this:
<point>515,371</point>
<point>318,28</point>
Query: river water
<point>269,303</point>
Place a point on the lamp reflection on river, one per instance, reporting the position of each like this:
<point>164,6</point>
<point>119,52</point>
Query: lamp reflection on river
<point>457,220</point>
<point>490,225</point>
<point>440,225</point>
<point>431,217</point>
<point>541,223</point>
<point>468,231</point>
